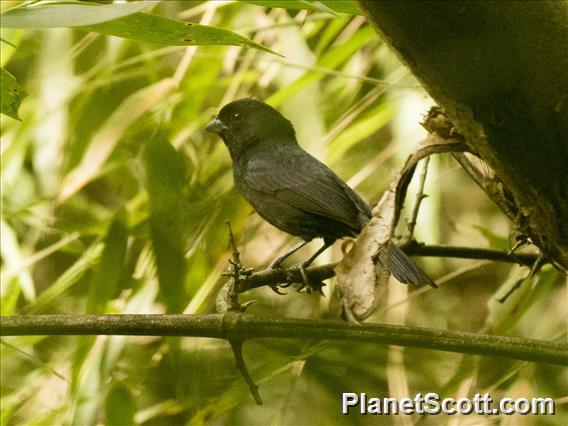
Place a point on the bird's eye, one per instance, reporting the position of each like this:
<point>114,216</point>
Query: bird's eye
<point>236,116</point>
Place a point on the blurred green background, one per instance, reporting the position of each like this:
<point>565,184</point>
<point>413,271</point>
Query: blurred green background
<point>114,201</point>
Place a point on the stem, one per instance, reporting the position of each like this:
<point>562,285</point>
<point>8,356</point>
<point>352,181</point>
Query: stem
<point>324,272</point>
<point>419,197</point>
<point>237,326</point>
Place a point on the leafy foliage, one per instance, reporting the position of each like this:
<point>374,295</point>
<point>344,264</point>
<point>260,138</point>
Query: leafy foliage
<point>12,94</point>
<point>114,200</point>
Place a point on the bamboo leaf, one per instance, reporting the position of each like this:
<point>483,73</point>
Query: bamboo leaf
<point>120,405</point>
<point>166,175</point>
<point>314,6</point>
<point>125,21</point>
<point>11,93</point>
<point>106,139</point>
<point>331,6</point>
<point>159,30</point>
<point>67,279</point>
<point>360,130</point>
<point>110,268</point>
<point>342,6</point>
<point>14,259</point>
<point>67,14</point>
<point>333,59</point>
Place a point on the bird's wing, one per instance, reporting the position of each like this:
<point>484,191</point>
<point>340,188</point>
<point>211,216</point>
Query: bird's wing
<point>302,181</point>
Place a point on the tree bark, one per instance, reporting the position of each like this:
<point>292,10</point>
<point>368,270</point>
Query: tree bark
<point>499,70</point>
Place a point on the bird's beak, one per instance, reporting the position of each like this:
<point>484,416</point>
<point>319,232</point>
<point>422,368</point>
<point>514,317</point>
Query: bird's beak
<point>216,126</point>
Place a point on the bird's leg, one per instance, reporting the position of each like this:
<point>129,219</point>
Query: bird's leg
<point>276,263</point>
<point>313,257</point>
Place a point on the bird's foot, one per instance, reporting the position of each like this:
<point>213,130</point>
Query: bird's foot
<point>307,285</point>
<point>277,264</point>
<point>292,279</point>
<point>276,289</point>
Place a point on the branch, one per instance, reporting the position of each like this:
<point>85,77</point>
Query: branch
<point>238,326</point>
<point>419,197</point>
<point>273,277</point>
<point>228,300</point>
<point>415,249</point>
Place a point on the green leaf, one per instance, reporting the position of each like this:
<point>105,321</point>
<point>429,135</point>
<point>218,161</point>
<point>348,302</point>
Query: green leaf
<point>315,6</point>
<point>71,276</point>
<point>361,129</point>
<point>12,94</point>
<point>67,14</point>
<point>159,30</point>
<point>342,6</point>
<point>333,58</point>
<point>496,241</point>
<point>14,259</point>
<point>166,176</point>
<point>504,305</point>
<point>108,136</point>
<point>333,6</point>
<point>120,406</point>
<point>124,20</point>
<point>111,266</point>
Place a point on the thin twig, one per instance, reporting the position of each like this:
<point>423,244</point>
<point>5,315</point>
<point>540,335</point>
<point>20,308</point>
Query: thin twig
<point>414,248</point>
<point>538,263</point>
<point>227,298</point>
<point>419,197</point>
<point>272,277</point>
<point>236,260</point>
<point>433,144</point>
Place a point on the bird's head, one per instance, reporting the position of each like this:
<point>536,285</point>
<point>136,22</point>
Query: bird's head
<point>247,122</point>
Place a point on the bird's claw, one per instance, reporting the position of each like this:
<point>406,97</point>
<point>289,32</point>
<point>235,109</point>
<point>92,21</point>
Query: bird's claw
<point>304,274</point>
<point>309,286</point>
<point>247,272</point>
<point>291,273</point>
<point>276,289</point>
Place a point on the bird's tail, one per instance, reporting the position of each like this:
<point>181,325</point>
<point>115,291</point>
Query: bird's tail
<point>405,270</point>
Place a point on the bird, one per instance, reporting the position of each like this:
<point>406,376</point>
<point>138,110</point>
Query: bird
<point>291,189</point>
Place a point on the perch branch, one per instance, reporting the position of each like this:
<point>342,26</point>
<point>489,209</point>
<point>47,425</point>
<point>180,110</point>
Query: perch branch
<point>273,277</point>
<point>241,327</point>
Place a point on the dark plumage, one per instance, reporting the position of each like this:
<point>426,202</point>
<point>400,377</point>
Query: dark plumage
<point>291,189</point>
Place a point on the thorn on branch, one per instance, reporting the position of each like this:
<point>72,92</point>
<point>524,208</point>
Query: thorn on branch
<point>521,241</point>
<point>538,263</point>
<point>514,288</point>
<point>419,197</point>
<point>237,347</point>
